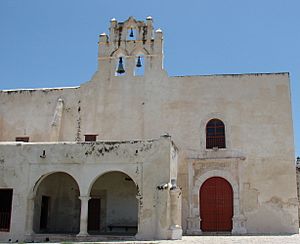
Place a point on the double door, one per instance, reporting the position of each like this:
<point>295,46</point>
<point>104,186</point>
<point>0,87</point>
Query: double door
<point>216,205</point>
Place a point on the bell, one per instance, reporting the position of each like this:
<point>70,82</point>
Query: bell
<point>139,63</point>
<point>120,69</point>
<point>131,33</point>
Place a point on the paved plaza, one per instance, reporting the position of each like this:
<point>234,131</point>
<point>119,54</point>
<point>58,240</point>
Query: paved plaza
<point>249,239</point>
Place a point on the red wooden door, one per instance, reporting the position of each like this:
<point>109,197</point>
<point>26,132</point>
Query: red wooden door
<point>216,205</point>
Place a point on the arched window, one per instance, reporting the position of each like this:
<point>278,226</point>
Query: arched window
<point>215,134</point>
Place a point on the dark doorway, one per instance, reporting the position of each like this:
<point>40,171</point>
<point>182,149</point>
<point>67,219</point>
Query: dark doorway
<point>216,205</point>
<point>56,205</point>
<point>44,212</point>
<point>117,213</point>
<point>5,208</point>
<point>94,215</point>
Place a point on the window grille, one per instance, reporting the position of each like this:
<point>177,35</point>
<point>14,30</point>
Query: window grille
<point>215,134</point>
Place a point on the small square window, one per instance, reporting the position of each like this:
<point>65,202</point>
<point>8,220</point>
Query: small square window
<point>90,137</point>
<point>22,138</point>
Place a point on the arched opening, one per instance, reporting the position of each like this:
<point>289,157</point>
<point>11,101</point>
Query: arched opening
<point>139,68</point>
<point>216,205</point>
<point>215,134</point>
<point>113,207</point>
<point>131,34</point>
<point>120,66</point>
<point>56,205</point>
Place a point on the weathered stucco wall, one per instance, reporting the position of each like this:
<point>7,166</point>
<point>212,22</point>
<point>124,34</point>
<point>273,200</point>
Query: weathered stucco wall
<point>255,109</point>
<point>258,160</point>
<point>20,109</point>
<point>29,172</point>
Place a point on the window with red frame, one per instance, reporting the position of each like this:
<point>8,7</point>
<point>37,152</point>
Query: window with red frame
<point>215,134</point>
<point>90,137</point>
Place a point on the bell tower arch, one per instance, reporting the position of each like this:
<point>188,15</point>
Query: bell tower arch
<point>130,45</point>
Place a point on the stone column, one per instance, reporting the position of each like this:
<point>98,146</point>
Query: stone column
<point>162,215</point>
<point>193,226</point>
<point>84,215</point>
<point>138,235</point>
<point>238,222</point>
<point>29,217</point>
<point>175,228</point>
<point>175,207</point>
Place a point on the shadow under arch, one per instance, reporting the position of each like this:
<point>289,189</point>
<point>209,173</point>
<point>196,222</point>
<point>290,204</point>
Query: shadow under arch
<point>113,205</point>
<point>42,177</point>
<point>110,171</point>
<point>56,204</point>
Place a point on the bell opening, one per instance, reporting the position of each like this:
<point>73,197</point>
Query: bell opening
<point>120,66</point>
<point>139,66</point>
<point>131,35</point>
<point>139,62</point>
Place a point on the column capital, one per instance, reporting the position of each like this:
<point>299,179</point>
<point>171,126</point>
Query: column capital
<point>175,191</point>
<point>84,198</point>
<point>31,196</point>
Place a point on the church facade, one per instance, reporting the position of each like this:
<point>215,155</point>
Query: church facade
<point>137,154</point>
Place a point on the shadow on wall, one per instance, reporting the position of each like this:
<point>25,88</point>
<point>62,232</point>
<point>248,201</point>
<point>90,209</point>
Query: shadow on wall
<point>57,205</point>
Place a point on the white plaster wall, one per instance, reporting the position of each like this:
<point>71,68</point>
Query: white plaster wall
<point>23,169</point>
<point>255,108</point>
<point>257,115</point>
<point>21,109</point>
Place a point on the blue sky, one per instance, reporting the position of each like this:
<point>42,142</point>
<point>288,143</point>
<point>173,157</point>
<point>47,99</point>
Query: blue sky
<point>53,43</point>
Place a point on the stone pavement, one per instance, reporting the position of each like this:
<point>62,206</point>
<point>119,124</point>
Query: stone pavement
<point>283,239</point>
<point>278,239</point>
